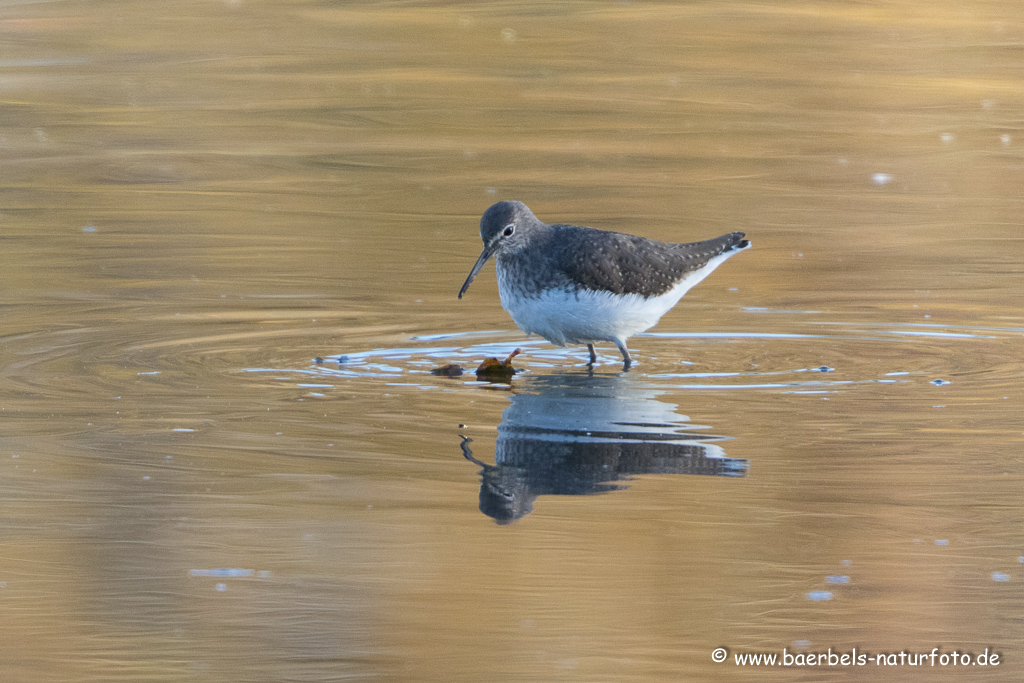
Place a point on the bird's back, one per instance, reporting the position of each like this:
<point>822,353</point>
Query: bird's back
<point>626,264</point>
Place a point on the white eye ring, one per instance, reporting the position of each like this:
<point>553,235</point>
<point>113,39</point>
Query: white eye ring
<point>509,229</point>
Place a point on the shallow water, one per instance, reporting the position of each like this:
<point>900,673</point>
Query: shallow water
<point>820,447</point>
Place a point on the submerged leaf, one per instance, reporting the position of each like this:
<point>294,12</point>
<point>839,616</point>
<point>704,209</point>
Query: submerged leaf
<point>450,370</point>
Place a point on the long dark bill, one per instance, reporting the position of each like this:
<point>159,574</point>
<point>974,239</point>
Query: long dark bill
<point>484,255</point>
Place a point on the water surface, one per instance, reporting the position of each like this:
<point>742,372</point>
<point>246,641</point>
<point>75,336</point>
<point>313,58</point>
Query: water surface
<point>819,448</point>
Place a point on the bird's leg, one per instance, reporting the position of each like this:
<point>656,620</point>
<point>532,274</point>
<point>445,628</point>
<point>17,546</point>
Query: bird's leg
<point>593,354</point>
<point>626,360</point>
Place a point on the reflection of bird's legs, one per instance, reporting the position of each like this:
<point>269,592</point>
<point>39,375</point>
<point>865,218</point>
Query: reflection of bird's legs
<point>593,354</point>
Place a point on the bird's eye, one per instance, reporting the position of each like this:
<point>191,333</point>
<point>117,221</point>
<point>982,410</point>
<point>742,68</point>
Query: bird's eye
<point>509,229</point>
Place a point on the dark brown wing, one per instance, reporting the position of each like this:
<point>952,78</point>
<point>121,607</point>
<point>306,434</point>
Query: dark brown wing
<point>626,264</point>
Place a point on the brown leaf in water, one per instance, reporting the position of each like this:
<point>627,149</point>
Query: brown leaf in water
<point>492,368</point>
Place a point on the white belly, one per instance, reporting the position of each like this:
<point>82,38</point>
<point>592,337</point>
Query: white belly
<point>585,316</point>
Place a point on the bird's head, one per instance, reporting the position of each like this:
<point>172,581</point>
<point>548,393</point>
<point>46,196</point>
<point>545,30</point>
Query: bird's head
<point>504,227</point>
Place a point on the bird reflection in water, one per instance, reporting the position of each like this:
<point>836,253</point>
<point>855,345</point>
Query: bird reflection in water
<point>581,434</point>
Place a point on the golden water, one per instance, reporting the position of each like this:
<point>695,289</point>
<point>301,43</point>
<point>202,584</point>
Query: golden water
<point>199,198</point>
